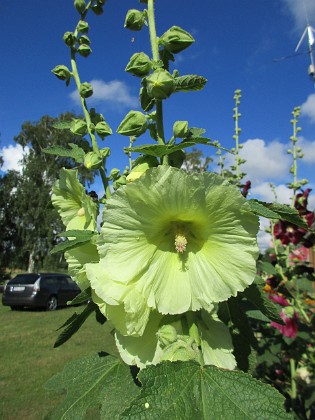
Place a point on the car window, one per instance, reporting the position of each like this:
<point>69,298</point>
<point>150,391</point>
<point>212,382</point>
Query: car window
<point>24,279</point>
<point>48,281</point>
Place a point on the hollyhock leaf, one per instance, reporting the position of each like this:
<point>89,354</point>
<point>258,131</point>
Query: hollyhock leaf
<point>289,214</point>
<point>72,243</point>
<point>243,339</point>
<point>186,390</point>
<point>76,152</point>
<point>74,324</point>
<point>259,208</point>
<point>260,300</point>
<point>159,150</point>
<point>91,382</point>
<point>84,296</point>
<point>147,226</point>
<point>189,82</point>
<point>277,211</point>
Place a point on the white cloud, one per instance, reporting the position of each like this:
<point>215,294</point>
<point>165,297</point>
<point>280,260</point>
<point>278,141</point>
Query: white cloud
<point>308,150</point>
<point>12,156</point>
<point>300,11</point>
<point>308,108</point>
<point>114,92</point>
<point>264,162</point>
<point>311,201</point>
<point>264,192</point>
<point>263,237</point>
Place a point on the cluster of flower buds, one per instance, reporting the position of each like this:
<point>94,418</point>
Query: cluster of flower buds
<point>289,233</point>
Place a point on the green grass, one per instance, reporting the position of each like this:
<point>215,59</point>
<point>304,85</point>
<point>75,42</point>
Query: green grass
<point>28,359</point>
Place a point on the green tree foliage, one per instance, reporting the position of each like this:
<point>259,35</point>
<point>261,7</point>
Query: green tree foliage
<point>28,222</point>
<point>195,161</point>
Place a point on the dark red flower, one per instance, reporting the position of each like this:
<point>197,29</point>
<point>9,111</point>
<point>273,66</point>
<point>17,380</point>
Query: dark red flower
<point>246,187</point>
<point>290,329</point>
<point>289,233</point>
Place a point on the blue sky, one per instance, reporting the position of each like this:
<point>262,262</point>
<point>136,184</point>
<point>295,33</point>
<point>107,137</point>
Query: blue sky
<point>236,44</point>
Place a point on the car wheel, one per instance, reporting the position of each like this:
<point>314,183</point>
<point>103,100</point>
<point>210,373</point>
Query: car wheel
<point>52,303</point>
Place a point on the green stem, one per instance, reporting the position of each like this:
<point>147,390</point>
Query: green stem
<point>278,265</point>
<point>155,57</point>
<point>86,113</point>
<point>293,383</point>
<point>83,103</point>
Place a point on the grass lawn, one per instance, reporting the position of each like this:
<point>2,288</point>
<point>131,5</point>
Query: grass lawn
<point>28,359</point>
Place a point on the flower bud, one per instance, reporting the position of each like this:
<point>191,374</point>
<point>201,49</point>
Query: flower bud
<point>167,335</point>
<point>80,5</point>
<point>62,72</point>
<point>97,9</point>
<point>139,65</point>
<point>95,116</point>
<point>120,181</point>
<point>78,127</point>
<point>86,90</point>
<point>180,129</point>
<point>176,39</point>
<point>134,124</point>
<point>160,84</point>
<point>141,165</point>
<point>135,19</point>
<point>105,152</point>
<point>103,129</point>
<point>69,39</point>
<point>114,174</point>
<point>83,27</point>
<point>84,40</point>
<point>93,161</point>
<point>84,50</point>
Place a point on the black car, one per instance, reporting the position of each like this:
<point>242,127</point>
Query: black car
<point>46,290</point>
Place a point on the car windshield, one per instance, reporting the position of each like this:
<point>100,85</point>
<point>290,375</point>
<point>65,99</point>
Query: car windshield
<point>24,279</point>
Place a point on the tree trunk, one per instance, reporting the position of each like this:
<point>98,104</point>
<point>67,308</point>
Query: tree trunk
<point>30,268</point>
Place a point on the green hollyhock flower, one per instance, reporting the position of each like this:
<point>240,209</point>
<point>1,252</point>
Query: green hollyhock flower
<point>78,211</point>
<point>173,242</point>
<point>169,338</point>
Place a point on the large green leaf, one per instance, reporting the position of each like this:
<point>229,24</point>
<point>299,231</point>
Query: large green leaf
<point>92,382</point>
<point>186,390</point>
<point>277,211</point>
<point>76,153</point>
